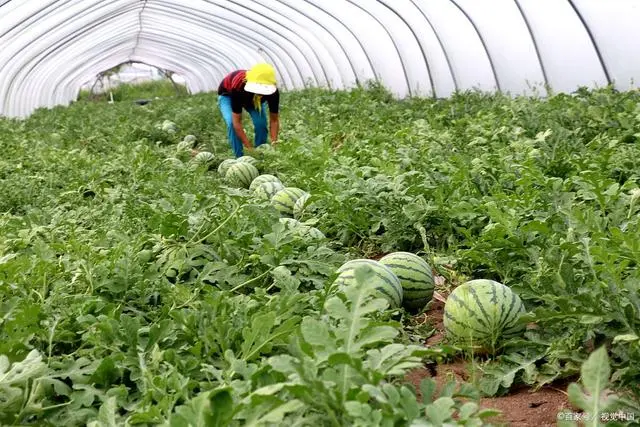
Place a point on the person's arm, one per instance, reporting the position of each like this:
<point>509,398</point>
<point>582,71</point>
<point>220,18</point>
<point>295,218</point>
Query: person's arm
<point>236,118</point>
<point>274,116</point>
<point>274,127</point>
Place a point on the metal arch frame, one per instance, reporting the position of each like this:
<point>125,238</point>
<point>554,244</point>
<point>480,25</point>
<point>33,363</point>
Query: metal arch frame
<point>305,40</point>
<point>147,61</point>
<point>21,52</point>
<point>319,81</point>
<point>393,41</point>
<point>10,29</point>
<point>169,63</point>
<point>110,14</point>
<point>235,28</point>
<point>330,34</point>
<point>241,39</point>
<point>268,37</point>
<point>53,46</point>
<point>61,88</point>
<point>420,44</point>
<point>355,38</point>
<point>284,54</point>
<point>535,42</point>
<point>484,44</point>
<point>176,49</point>
<point>456,84</point>
<point>68,82</point>
<point>605,69</point>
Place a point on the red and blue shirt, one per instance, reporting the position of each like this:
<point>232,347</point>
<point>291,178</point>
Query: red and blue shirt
<point>233,86</point>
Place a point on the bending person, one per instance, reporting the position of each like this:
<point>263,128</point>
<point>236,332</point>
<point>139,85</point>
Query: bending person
<point>252,90</point>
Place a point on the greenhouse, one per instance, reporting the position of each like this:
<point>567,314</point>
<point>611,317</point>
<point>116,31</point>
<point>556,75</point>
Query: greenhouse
<point>319,213</point>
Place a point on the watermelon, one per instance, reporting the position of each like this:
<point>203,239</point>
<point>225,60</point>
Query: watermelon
<point>190,139</point>
<point>267,190</point>
<point>314,233</point>
<point>285,199</point>
<point>415,275</point>
<point>264,147</point>
<point>304,207</point>
<point>203,157</point>
<point>262,179</point>
<point>240,174</point>
<point>479,313</point>
<point>301,229</point>
<point>184,146</point>
<point>169,126</point>
<point>175,162</point>
<point>248,159</point>
<point>225,165</point>
<point>385,282</point>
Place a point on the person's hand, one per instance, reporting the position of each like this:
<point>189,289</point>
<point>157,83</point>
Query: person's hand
<point>274,143</point>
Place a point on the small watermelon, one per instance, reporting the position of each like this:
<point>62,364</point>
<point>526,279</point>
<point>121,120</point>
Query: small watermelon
<point>248,159</point>
<point>301,229</point>
<point>386,283</point>
<point>190,139</point>
<point>175,162</point>
<point>240,174</point>
<point>315,234</point>
<point>284,200</point>
<point>264,147</point>
<point>479,313</point>
<point>262,179</point>
<point>225,165</point>
<point>184,146</point>
<point>267,190</point>
<point>305,208</point>
<point>415,275</point>
<point>203,157</point>
<point>169,126</point>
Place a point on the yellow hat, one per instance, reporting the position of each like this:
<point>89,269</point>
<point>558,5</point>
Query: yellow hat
<point>261,79</point>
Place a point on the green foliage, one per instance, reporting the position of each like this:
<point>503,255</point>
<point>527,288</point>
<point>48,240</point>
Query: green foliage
<point>134,91</point>
<point>136,289</point>
<point>594,396</point>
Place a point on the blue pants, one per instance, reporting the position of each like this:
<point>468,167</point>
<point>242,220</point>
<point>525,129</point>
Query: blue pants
<point>259,120</point>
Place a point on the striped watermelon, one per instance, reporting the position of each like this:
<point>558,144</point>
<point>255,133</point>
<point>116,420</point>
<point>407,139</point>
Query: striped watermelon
<point>203,157</point>
<point>175,162</point>
<point>264,147</point>
<point>314,233</point>
<point>415,275</point>
<point>184,146</point>
<point>240,174</point>
<point>479,313</point>
<point>267,190</point>
<point>248,159</point>
<point>386,283</point>
<point>285,199</point>
<point>225,165</point>
<point>305,207</point>
<point>301,229</point>
<point>191,139</point>
<point>262,179</point>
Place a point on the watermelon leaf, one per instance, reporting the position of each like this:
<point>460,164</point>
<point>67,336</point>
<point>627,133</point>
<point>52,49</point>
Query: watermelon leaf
<point>592,397</point>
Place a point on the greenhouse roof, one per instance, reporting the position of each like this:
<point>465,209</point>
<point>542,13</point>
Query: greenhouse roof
<point>414,47</point>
